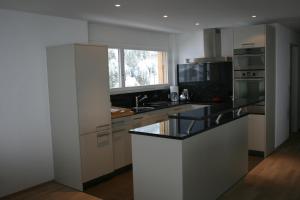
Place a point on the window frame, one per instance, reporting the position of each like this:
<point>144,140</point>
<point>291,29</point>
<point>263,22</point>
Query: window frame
<point>124,89</point>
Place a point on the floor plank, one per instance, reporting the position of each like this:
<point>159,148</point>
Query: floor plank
<point>50,191</point>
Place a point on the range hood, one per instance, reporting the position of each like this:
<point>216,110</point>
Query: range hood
<point>212,47</point>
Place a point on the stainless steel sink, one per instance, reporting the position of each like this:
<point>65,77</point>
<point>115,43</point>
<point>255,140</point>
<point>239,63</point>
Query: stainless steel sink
<point>142,109</point>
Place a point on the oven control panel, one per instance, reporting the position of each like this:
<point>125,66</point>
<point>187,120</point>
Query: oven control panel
<point>249,74</point>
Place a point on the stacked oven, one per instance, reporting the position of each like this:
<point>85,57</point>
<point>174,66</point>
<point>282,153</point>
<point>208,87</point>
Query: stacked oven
<point>249,76</point>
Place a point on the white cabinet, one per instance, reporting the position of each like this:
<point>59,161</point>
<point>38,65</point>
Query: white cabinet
<point>122,148</point>
<point>92,80</point>
<point>96,155</point>
<point>80,113</point>
<point>257,132</point>
<point>250,37</point>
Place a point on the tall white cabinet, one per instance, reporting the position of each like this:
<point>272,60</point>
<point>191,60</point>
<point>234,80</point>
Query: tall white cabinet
<point>261,127</point>
<point>80,113</point>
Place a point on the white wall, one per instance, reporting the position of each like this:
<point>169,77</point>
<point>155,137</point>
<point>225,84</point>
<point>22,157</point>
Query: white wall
<point>191,45</point>
<point>284,38</point>
<point>25,132</point>
<point>118,36</point>
<point>125,37</point>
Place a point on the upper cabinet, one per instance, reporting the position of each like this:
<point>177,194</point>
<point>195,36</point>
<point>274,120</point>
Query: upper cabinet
<point>250,37</point>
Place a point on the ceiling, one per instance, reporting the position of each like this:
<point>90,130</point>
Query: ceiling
<point>183,14</point>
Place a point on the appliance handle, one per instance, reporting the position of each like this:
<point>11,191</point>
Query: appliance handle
<point>248,43</point>
<point>243,55</point>
<point>249,79</point>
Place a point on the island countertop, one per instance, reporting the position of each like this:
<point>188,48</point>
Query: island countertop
<point>187,124</point>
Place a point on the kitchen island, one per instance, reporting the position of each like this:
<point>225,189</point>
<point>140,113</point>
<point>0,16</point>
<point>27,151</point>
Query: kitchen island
<point>197,154</point>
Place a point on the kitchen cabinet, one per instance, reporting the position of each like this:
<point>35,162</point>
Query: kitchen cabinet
<point>257,133</point>
<point>121,148</point>
<point>80,113</point>
<point>96,155</point>
<point>249,37</point>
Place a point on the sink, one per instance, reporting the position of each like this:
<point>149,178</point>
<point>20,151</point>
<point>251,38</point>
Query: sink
<point>142,109</point>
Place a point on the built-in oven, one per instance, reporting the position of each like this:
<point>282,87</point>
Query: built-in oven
<point>249,59</point>
<point>250,85</point>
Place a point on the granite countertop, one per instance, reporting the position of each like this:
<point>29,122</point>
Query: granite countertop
<point>186,124</point>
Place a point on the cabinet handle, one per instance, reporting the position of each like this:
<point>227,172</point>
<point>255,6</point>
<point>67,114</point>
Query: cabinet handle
<point>120,130</point>
<point>247,44</point>
<point>100,142</point>
<point>102,134</point>
<point>101,126</point>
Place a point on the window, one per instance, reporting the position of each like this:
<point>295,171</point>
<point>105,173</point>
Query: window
<point>136,68</point>
<point>114,68</point>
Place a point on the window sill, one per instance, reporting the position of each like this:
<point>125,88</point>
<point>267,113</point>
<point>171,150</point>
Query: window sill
<point>138,89</point>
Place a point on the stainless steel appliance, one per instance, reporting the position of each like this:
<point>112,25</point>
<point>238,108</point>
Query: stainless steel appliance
<point>249,59</point>
<point>249,76</point>
<point>212,48</point>
<point>250,85</point>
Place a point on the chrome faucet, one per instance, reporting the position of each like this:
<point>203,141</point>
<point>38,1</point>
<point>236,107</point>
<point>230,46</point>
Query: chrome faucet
<point>137,100</point>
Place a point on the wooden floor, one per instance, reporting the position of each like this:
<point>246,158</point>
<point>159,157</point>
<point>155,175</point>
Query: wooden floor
<point>118,188</point>
<point>275,178</point>
<point>50,191</point>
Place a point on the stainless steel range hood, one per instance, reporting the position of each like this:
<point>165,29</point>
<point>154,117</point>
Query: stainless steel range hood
<point>212,47</point>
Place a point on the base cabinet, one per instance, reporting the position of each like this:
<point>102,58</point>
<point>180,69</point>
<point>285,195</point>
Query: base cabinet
<point>96,155</point>
<point>121,148</point>
<point>256,133</point>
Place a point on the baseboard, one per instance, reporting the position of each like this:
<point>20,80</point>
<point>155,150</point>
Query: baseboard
<point>106,177</point>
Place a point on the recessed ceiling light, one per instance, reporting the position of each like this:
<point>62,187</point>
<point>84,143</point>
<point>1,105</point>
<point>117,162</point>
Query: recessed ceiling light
<point>197,23</point>
<point>117,5</point>
<point>165,16</point>
<point>253,16</point>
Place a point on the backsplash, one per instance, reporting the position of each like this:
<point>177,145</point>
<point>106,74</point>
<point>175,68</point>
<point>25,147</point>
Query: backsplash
<point>128,99</point>
<point>208,92</point>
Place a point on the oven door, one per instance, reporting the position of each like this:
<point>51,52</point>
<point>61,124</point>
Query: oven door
<point>249,59</point>
<point>249,62</point>
<point>250,88</point>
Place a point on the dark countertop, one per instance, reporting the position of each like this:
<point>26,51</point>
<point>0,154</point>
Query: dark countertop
<point>160,105</point>
<point>186,124</point>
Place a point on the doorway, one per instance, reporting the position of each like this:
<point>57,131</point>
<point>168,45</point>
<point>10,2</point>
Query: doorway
<point>295,89</point>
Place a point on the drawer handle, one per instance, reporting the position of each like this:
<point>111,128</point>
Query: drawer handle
<point>246,44</point>
<point>102,142</point>
<point>102,126</point>
<point>138,118</point>
<point>102,134</point>
<point>117,131</point>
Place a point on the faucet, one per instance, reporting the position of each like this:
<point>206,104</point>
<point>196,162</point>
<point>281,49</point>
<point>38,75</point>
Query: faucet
<point>137,100</point>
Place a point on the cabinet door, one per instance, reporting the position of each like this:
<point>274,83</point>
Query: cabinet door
<point>92,87</point>
<point>122,148</point>
<point>256,132</point>
<point>96,155</point>
<point>250,37</point>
